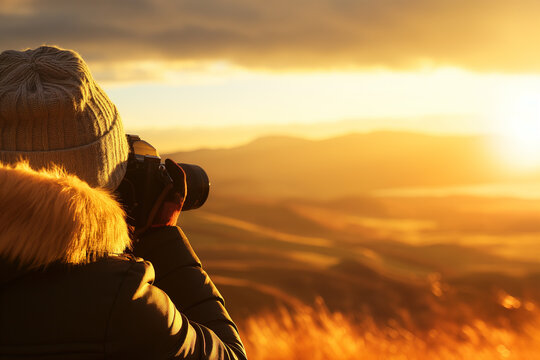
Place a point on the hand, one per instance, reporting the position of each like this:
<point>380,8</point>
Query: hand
<point>168,205</point>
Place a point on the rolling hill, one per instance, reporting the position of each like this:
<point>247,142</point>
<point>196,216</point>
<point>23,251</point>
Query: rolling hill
<point>293,222</point>
<point>355,164</point>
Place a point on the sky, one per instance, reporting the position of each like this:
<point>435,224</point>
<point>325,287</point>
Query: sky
<point>443,66</point>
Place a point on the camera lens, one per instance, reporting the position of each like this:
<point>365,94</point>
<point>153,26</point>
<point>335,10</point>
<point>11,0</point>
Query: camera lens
<point>198,186</point>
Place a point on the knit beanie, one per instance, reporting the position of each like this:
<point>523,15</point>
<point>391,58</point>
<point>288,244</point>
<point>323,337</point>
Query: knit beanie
<point>52,112</point>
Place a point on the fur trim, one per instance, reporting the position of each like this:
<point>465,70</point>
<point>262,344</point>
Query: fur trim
<point>49,216</point>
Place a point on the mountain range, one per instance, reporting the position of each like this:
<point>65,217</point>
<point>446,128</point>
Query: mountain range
<point>349,165</point>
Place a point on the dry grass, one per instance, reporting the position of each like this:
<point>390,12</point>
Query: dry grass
<point>315,333</point>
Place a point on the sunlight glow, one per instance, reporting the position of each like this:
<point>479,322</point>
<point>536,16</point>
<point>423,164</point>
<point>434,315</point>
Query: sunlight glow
<point>518,128</point>
<point>218,95</point>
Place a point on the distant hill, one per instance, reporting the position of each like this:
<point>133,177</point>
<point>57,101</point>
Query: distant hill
<point>187,138</point>
<point>353,164</point>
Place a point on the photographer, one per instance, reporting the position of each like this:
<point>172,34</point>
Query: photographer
<point>74,285</point>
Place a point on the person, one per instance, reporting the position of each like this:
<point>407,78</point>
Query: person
<point>68,287</point>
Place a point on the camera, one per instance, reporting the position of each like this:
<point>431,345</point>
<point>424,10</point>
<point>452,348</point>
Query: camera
<point>146,177</point>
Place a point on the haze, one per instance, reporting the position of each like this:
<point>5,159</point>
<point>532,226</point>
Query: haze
<point>375,165</point>
<point>215,64</point>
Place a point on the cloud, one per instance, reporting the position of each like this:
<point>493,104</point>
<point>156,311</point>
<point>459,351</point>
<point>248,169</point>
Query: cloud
<point>482,35</point>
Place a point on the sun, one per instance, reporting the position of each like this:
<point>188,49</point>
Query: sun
<point>517,128</point>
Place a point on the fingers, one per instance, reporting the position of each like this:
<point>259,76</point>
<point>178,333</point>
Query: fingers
<point>178,176</point>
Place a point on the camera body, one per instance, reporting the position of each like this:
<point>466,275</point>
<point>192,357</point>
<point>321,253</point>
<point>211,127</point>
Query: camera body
<point>146,177</point>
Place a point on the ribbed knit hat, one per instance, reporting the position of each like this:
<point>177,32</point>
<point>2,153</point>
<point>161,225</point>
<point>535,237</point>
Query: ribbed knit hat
<point>53,112</point>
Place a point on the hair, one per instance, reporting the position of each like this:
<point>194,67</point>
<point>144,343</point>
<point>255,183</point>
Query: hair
<point>50,216</point>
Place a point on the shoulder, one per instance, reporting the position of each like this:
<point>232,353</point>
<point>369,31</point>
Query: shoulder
<point>135,271</point>
<point>62,302</point>
<point>142,317</point>
<point>121,272</point>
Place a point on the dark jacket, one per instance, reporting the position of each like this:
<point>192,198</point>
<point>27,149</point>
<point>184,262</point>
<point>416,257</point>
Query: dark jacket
<point>117,306</point>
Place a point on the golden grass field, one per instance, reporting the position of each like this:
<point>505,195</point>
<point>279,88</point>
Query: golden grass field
<point>316,333</point>
<point>369,285</point>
